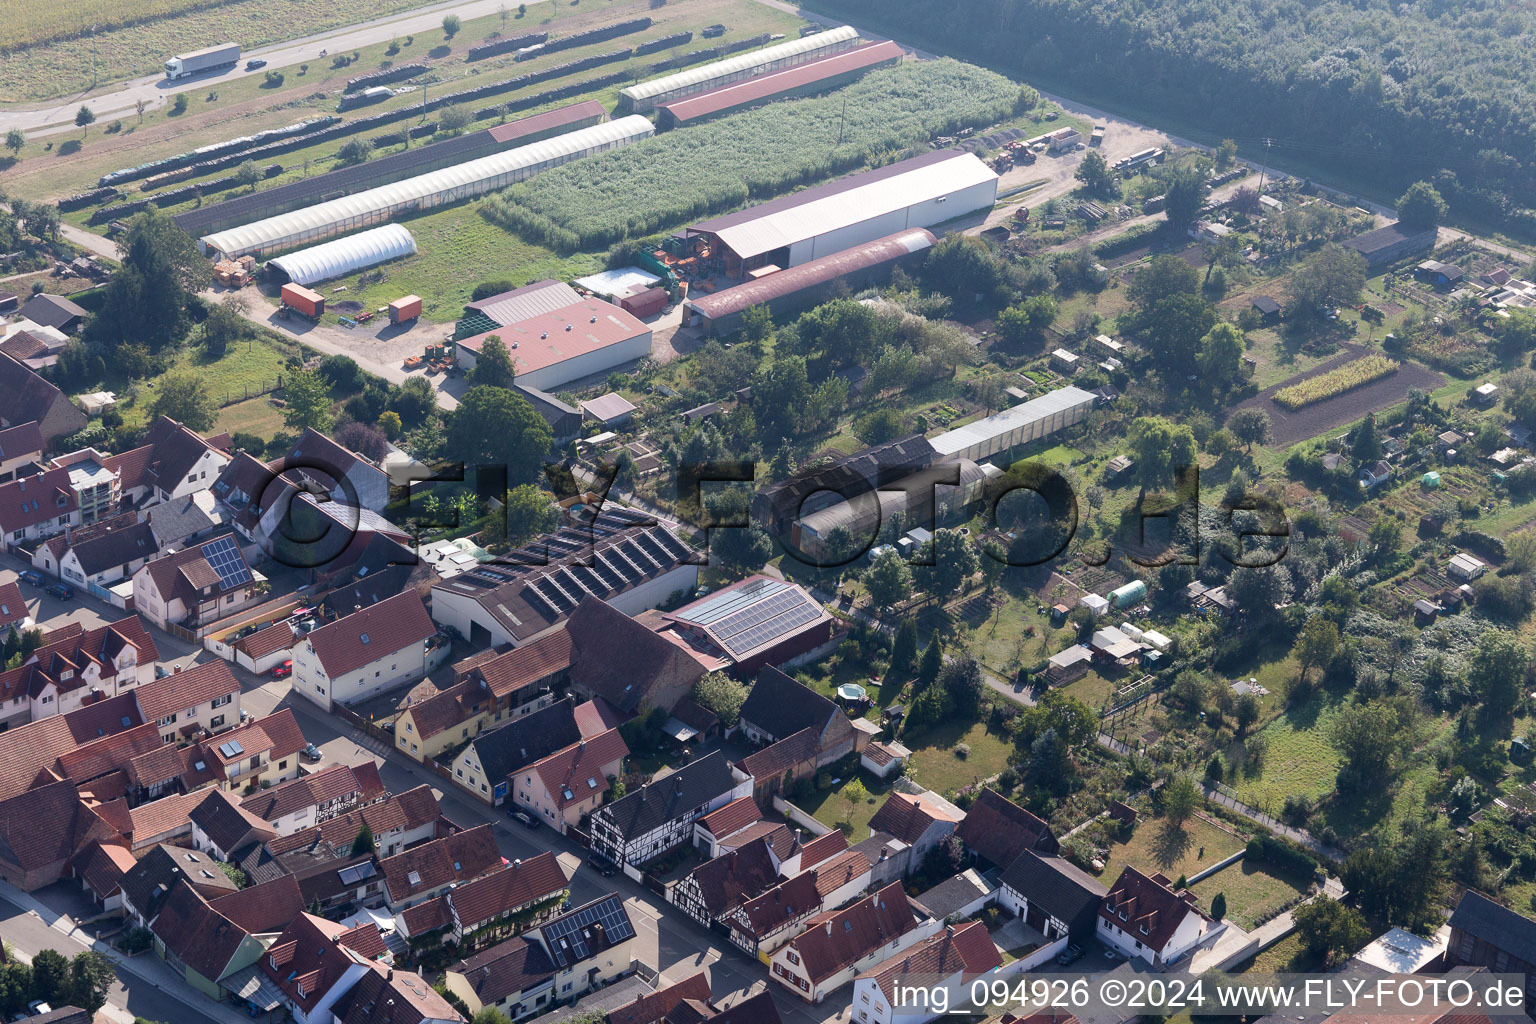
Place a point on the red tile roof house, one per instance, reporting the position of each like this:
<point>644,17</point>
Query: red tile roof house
<point>35,506</point>
<point>762,925</point>
<point>367,652</point>
<point>710,830</point>
<point>100,869</point>
<point>196,586</point>
<point>917,822</point>
<point>838,944</point>
<point>311,799</point>
<point>26,398</point>
<point>1144,917</point>
<point>425,871</point>
<point>950,960</point>
<point>221,826</point>
<point>72,663</point>
<point>396,822</point>
<point>394,996</point>
<point>203,698</point>
<point>571,782</point>
<point>653,1008</point>
<point>996,829</point>
<point>43,830</point>
<point>261,750</point>
<point>20,446</point>
<point>712,891</point>
<point>494,906</point>
<point>200,943</point>
<point>313,964</point>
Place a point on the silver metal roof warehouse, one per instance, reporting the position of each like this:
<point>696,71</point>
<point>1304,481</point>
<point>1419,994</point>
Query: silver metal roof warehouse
<point>919,193</point>
<point>1021,424</point>
<point>644,96</point>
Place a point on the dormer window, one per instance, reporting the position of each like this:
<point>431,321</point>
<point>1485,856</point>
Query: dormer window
<point>1144,930</point>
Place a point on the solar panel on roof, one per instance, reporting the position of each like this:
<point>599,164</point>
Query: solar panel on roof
<point>758,611</point>
<point>742,642</point>
<point>571,932</point>
<point>224,555</point>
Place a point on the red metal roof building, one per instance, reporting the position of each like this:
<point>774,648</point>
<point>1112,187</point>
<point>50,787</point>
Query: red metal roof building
<point>789,291</point>
<point>804,80</point>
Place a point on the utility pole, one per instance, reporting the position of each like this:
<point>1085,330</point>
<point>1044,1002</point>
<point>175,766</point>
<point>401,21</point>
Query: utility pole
<point>94,50</point>
<point>1264,168</point>
<point>842,119</point>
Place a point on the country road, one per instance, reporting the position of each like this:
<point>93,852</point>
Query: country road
<point>59,116</point>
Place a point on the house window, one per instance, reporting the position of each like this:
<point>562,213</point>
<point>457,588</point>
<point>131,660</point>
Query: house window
<point>282,765</point>
<point>219,702</point>
<point>217,721</point>
<point>792,958</point>
<point>413,748</point>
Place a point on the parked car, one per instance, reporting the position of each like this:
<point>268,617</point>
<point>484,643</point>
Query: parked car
<point>602,864</point>
<point>1069,955</point>
<point>255,65</point>
<point>62,591</point>
<point>312,752</point>
<point>284,670</point>
<point>37,1006</point>
<point>33,577</point>
<point>528,820</point>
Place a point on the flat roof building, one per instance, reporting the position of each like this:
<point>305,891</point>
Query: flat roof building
<point>918,193</point>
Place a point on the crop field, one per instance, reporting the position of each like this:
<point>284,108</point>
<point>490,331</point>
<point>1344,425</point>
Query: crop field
<point>162,29</point>
<point>1336,381</point>
<point>694,172</point>
<point>1291,425</point>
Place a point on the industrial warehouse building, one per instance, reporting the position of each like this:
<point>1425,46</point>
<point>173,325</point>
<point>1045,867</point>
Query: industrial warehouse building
<point>383,170</point>
<point>1010,428</point>
<point>645,96</point>
<point>817,76</point>
<point>790,291</point>
<point>422,192</point>
<point>621,556</point>
<point>519,304</point>
<point>345,255</point>
<point>919,193</point>
<point>550,349</point>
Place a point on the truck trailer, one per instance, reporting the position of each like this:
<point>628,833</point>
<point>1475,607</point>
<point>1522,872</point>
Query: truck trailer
<point>405,310</point>
<point>214,58</point>
<point>305,301</point>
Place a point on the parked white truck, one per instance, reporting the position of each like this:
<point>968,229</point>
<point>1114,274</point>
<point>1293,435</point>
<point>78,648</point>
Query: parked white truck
<point>225,55</point>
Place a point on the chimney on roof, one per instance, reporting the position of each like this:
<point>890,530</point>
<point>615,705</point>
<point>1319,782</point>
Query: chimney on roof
<point>175,669</point>
<point>884,853</point>
<point>389,974</point>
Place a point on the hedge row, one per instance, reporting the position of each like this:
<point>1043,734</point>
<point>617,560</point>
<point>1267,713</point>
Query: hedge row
<point>1270,849</point>
<point>683,60</point>
<point>594,35</point>
<point>176,195</point>
<point>91,198</point>
<point>393,74</point>
<point>244,144</point>
<point>665,42</point>
<point>538,99</point>
<point>501,46</point>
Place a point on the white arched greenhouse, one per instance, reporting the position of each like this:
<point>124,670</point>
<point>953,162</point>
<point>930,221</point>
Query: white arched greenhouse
<point>344,255</point>
<point>423,192</point>
<point>644,96</point>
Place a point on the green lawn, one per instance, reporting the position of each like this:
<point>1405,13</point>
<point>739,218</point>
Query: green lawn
<point>457,248</point>
<point>1154,846</point>
<point>1285,956</point>
<point>936,766</point>
<point>829,807</point>
<point>1251,890</point>
<point>250,367</point>
<point>1300,760</point>
<point>257,416</point>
